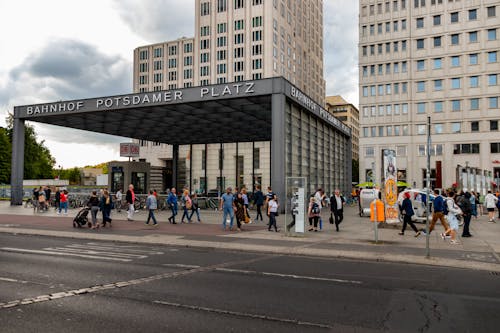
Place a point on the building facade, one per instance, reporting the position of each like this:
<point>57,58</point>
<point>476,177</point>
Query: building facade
<point>437,59</point>
<point>349,115</point>
<point>235,40</point>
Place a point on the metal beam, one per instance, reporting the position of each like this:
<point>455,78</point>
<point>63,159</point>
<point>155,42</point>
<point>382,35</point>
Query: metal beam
<point>17,167</point>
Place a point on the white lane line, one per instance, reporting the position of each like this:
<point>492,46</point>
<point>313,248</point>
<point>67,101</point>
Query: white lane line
<point>12,280</point>
<point>181,266</point>
<point>292,276</point>
<point>111,248</point>
<point>11,249</point>
<point>245,315</point>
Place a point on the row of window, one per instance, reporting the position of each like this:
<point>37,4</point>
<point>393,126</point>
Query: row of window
<point>396,5</point>
<point>422,107</point>
<point>380,48</point>
<point>385,89</point>
<point>385,7</point>
<point>437,149</point>
<point>158,51</point>
<point>380,27</point>
<point>456,83</point>
<point>238,25</point>
<point>437,41</point>
<point>421,129</point>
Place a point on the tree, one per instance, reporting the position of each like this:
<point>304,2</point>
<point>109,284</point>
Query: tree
<point>5,156</point>
<point>38,162</point>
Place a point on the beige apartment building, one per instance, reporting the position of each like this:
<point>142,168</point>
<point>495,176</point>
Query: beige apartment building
<point>235,40</point>
<point>349,115</point>
<point>437,59</point>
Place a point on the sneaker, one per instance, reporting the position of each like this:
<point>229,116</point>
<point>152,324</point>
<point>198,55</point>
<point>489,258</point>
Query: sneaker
<point>454,242</point>
<point>155,224</point>
<point>443,236</point>
<point>401,233</point>
<point>146,223</point>
<point>423,232</point>
<point>417,234</point>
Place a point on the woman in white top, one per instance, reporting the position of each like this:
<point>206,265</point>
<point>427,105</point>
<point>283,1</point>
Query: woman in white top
<point>453,211</point>
<point>272,210</point>
<point>490,201</point>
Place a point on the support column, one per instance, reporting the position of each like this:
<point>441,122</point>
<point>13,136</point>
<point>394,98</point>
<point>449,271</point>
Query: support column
<point>253,167</point>
<point>278,171</point>
<point>175,163</point>
<point>237,171</point>
<point>205,188</point>
<point>190,168</point>
<point>348,167</point>
<point>17,167</point>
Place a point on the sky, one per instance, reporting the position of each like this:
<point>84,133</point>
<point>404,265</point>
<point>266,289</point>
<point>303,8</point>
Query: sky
<point>55,50</point>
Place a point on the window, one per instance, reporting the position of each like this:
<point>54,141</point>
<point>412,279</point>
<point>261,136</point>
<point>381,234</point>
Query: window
<point>438,106</point>
<point>473,59</point>
<point>492,79</point>
<point>466,148</point>
<point>221,28</point>
<point>389,130</point>
<point>421,129</point>
<point>436,19</point>
<point>493,125</point>
<point>420,44</point>
<point>221,6</point>
<point>158,65</point>
<point>493,102</point>
<point>239,66</point>
<point>438,63</point>
<point>492,56</point>
<point>256,35</point>
<point>492,34</point>
<point>365,132</point>
<point>438,85</point>
<point>456,105</point>
<point>472,14</point>
<point>438,128</point>
<point>369,152</point>
<point>456,127</point>
<point>421,108</point>
<point>205,44</point>
<point>404,108</point>
<point>474,81</point>
<point>455,83</point>
<point>403,24</point>
<point>158,52</point>
<point>474,126</point>
<point>257,49</point>
<point>420,22</point>
<point>239,38</point>
<point>257,21</point>
<point>204,70</point>
<point>474,103</point>
<point>239,25</point>
<point>396,88</point>
<point>420,65</point>
<point>381,131</point>
<point>455,61</point>
<point>397,130</point>
<point>403,45</point>
<point>455,39</point>
<point>365,91</point>
<point>143,67</point>
<point>143,54</point>
<point>221,55</point>
<point>205,8</point>
<point>454,17</point>
<point>221,68</point>
<point>256,3</point>
<point>420,86</point>
<point>204,31</point>
<point>387,26</point>
<point>495,147</point>
<point>239,4</point>
<point>491,11</point>
<point>379,28</point>
<point>473,37</point>
<point>437,41</point>
<point>172,63</point>
<point>221,41</point>
<point>172,50</point>
<point>256,63</point>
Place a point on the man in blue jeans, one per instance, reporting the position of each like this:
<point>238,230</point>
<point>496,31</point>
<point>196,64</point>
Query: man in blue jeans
<point>227,203</point>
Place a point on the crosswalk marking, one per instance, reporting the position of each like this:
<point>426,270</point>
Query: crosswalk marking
<point>113,252</point>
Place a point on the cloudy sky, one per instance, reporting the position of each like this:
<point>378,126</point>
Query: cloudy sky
<point>58,49</point>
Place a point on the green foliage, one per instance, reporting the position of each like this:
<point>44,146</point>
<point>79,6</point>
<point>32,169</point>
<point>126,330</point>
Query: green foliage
<point>5,156</point>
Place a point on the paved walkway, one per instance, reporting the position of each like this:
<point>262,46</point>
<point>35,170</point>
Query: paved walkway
<point>355,239</point>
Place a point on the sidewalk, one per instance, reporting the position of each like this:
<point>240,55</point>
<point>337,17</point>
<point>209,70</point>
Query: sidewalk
<point>355,239</point>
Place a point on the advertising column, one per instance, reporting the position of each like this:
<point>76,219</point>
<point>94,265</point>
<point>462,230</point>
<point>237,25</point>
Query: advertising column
<point>390,186</point>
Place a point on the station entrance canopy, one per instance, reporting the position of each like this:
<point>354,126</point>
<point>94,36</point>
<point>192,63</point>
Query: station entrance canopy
<point>235,112</point>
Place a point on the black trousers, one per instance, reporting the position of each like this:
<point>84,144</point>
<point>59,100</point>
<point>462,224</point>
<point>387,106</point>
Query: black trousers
<point>466,224</point>
<point>339,216</point>
<point>407,220</point>
<point>259,212</point>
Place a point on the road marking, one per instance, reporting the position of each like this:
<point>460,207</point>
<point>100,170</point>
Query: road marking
<point>181,265</point>
<point>12,280</point>
<point>245,315</point>
<point>292,276</point>
<point>11,249</point>
<point>113,248</point>
<point>95,253</point>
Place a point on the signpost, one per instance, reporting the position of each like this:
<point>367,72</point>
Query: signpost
<point>295,210</point>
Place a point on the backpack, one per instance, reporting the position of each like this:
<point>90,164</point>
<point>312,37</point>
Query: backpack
<point>445,207</point>
<point>315,208</point>
<point>465,205</point>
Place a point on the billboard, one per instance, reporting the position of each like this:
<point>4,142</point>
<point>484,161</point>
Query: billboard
<point>129,149</point>
<point>390,186</point>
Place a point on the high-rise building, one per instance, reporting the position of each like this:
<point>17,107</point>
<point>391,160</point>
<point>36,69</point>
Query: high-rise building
<point>437,59</point>
<point>349,115</point>
<point>235,40</point>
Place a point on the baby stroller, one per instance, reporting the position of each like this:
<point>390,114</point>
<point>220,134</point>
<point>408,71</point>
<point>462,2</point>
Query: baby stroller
<point>81,218</point>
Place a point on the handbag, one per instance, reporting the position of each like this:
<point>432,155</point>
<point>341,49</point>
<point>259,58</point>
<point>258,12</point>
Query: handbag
<point>331,219</point>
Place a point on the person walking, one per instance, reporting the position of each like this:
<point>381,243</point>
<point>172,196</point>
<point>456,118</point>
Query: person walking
<point>227,205</point>
<point>466,207</point>
<point>94,208</point>
<point>172,203</point>
<point>272,211</point>
<point>151,206</point>
<point>259,202</point>
<point>473,202</point>
<point>42,200</point>
<point>408,213</point>
<point>244,196</point>
<point>63,202</point>
<point>239,203</point>
<point>337,203</point>
<point>195,208</point>
<point>490,201</point>
<point>118,202</point>
<point>453,212</point>
<point>48,193</point>
<point>313,214</point>
<point>187,204</point>
<point>130,198</point>
<point>438,213</point>
<point>57,200</point>
<point>105,205</point>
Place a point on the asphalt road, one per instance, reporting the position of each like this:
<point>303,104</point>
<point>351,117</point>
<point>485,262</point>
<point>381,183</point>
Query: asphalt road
<point>71,285</point>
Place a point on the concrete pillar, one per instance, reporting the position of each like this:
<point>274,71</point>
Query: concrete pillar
<point>17,167</point>
<point>278,166</point>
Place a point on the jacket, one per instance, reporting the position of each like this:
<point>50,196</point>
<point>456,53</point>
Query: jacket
<point>172,199</point>
<point>333,203</point>
<point>151,202</point>
<point>438,204</point>
<point>259,198</point>
<point>408,207</point>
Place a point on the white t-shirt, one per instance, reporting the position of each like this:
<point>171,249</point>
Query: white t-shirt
<point>317,199</point>
<point>273,206</point>
<point>490,200</point>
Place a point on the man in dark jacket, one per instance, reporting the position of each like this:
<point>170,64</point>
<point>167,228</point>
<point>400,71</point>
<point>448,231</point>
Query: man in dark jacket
<point>259,202</point>
<point>337,203</point>
<point>465,205</point>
